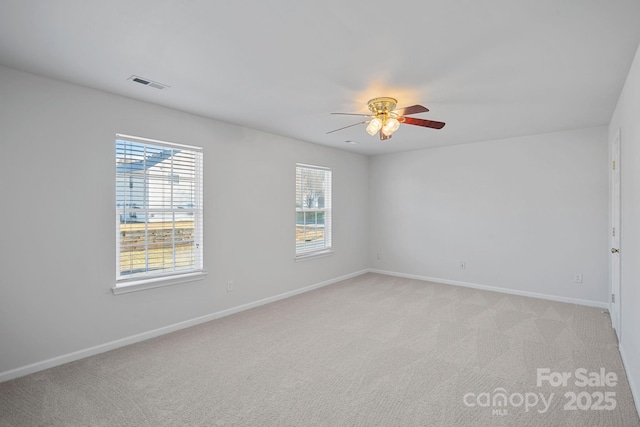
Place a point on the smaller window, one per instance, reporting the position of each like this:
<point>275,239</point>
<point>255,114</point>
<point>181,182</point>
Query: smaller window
<point>313,210</point>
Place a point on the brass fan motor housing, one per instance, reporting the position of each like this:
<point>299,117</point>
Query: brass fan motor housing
<point>382,106</point>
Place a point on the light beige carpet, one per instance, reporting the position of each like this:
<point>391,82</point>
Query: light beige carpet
<point>370,351</point>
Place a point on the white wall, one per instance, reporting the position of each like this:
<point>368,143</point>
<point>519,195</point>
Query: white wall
<point>57,244</point>
<point>626,119</point>
<point>524,214</point>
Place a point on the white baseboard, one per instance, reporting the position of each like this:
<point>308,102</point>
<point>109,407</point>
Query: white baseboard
<point>626,361</point>
<point>101,348</point>
<point>496,289</point>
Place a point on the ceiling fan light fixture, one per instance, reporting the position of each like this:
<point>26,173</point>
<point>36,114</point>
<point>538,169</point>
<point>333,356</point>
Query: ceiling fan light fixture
<point>374,126</point>
<point>385,118</point>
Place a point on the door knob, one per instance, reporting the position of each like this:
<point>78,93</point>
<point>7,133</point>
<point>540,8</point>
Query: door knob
<point>615,250</point>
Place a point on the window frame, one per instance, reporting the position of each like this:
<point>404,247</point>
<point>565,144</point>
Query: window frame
<point>124,284</point>
<point>327,210</point>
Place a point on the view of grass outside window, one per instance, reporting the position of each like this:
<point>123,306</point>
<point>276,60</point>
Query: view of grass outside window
<point>313,209</point>
<point>158,208</point>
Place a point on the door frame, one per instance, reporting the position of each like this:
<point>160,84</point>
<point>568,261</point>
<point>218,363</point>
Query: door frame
<point>615,277</point>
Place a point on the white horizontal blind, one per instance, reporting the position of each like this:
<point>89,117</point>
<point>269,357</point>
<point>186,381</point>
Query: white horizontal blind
<point>158,208</point>
<point>313,209</point>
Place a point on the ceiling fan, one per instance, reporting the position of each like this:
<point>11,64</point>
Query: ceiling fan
<point>385,118</point>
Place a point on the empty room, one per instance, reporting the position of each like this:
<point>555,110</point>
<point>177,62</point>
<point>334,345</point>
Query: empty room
<point>330,213</point>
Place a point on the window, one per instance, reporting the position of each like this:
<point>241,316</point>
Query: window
<point>313,210</point>
<point>158,213</point>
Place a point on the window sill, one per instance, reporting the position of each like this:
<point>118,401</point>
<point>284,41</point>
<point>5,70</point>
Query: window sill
<point>144,284</point>
<point>313,255</point>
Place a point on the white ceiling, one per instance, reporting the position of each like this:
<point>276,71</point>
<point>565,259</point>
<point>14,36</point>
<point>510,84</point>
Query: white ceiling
<point>490,69</point>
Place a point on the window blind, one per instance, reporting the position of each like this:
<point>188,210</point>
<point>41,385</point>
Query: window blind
<point>159,208</point>
<point>313,209</point>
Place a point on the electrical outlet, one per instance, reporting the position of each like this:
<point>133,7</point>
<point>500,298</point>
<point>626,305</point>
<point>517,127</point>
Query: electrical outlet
<point>230,286</point>
<point>378,256</point>
<point>462,265</point>
<point>577,278</point>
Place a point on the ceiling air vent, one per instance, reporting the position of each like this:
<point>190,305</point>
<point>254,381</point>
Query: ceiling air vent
<point>148,82</point>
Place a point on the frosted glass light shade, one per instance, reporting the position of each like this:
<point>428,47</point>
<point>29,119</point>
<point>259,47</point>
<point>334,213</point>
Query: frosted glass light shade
<point>374,126</point>
<point>390,126</point>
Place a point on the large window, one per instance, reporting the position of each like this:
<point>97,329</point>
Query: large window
<point>158,211</point>
<point>313,210</point>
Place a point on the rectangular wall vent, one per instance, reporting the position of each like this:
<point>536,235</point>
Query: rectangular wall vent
<point>148,82</point>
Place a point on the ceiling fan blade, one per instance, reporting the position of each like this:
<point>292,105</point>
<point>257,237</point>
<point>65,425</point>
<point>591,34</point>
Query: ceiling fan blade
<point>353,114</point>
<point>355,124</point>
<point>421,122</point>
<point>414,109</point>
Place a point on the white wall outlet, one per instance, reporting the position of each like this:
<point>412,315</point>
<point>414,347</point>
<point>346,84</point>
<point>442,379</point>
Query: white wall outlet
<point>230,286</point>
<point>378,256</point>
<point>577,278</point>
<point>462,265</point>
